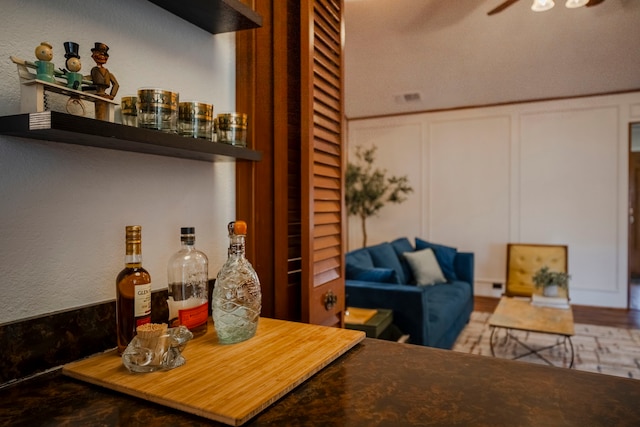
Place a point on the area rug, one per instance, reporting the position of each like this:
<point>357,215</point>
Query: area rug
<point>599,349</point>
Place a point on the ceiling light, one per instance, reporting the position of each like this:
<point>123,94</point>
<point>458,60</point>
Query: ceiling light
<point>572,4</point>
<point>542,5</point>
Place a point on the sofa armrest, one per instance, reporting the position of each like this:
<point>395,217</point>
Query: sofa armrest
<point>463,266</point>
<point>408,303</point>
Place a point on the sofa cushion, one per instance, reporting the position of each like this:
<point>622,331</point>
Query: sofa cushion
<point>359,258</point>
<point>444,254</point>
<point>384,256</point>
<point>401,246</point>
<point>374,274</point>
<point>424,266</point>
<point>446,303</point>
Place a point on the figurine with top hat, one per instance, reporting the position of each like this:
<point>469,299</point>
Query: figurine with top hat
<point>100,76</point>
<point>73,65</point>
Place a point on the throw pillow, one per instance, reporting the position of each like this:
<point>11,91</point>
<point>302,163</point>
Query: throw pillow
<point>445,256</point>
<point>360,257</point>
<point>401,246</point>
<point>383,275</point>
<point>425,267</point>
<point>384,256</point>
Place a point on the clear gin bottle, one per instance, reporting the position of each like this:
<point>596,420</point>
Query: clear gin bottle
<point>237,298</point>
<point>188,274</point>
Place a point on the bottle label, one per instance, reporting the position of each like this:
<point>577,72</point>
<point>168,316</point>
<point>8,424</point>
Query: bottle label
<point>142,300</point>
<point>143,321</point>
<point>192,317</point>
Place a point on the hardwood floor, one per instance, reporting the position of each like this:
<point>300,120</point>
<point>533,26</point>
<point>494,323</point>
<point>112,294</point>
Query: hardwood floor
<point>615,317</point>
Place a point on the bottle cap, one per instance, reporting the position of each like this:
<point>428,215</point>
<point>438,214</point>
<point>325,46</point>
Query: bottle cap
<point>133,233</point>
<point>187,230</point>
<point>240,227</point>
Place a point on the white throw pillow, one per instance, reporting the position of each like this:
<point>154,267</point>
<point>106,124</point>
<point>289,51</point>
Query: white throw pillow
<point>425,267</point>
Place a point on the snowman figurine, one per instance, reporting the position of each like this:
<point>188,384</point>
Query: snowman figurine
<point>44,66</point>
<point>73,65</point>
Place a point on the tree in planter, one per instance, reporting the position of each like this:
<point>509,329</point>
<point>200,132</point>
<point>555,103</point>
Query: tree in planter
<point>368,189</point>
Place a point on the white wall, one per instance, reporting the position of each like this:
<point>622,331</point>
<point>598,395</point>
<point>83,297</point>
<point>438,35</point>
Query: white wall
<point>540,172</point>
<point>63,208</point>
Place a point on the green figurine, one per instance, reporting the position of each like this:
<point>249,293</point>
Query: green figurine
<point>44,66</point>
<point>73,65</point>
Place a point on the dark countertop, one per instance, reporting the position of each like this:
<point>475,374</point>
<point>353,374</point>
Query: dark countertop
<point>376,383</point>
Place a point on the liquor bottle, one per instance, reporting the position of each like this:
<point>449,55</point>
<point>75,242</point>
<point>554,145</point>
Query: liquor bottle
<point>133,290</point>
<point>188,272</point>
<point>237,299</point>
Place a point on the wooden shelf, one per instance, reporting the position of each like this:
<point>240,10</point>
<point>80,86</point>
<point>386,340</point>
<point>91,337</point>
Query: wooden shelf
<point>69,129</point>
<point>214,16</point>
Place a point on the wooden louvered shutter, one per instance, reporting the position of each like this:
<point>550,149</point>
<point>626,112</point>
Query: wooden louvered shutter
<point>322,158</point>
<point>289,81</point>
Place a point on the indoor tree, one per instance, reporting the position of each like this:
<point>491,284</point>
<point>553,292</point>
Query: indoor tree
<point>368,188</point>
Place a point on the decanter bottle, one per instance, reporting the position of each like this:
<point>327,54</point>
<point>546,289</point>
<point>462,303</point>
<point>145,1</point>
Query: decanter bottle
<point>237,298</point>
<point>133,290</point>
<point>188,274</point>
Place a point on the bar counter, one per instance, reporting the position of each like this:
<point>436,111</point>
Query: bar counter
<point>375,383</point>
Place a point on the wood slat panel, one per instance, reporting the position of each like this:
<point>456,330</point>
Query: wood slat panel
<point>294,277</point>
<point>295,264</point>
<point>331,252</point>
<point>326,242</point>
<point>326,218</point>
<point>327,69</point>
<point>326,277</point>
<point>327,230</point>
<point>322,98</point>
<point>326,206</point>
<point>327,142</point>
<point>327,15</point>
<point>324,86</point>
<point>327,159</point>
<point>327,123</point>
<point>326,182</point>
<point>325,265</point>
<point>326,171</point>
<point>325,194</point>
<point>324,111</point>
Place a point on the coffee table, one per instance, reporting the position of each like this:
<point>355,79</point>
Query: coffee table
<point>520,314</point>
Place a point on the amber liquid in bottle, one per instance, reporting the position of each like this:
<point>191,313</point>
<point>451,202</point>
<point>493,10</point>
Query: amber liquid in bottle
<point>133,291</point>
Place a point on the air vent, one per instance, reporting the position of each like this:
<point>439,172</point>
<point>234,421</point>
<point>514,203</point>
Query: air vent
<point>409,97</point>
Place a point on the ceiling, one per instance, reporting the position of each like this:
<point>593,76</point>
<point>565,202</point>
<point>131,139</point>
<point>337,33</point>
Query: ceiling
<point>451,54</point>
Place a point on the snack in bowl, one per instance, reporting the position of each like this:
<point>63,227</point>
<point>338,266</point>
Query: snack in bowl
<point>156,347</point>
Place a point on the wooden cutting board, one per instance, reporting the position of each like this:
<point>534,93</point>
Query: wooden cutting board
<point>227,383</point>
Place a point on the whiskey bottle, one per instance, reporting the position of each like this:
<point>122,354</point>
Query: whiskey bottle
<point>188,273</point>
<point>237,299</point>
<point>133,290</point>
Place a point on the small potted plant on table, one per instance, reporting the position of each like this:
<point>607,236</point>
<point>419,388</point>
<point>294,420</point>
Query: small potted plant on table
<point>550,281</point>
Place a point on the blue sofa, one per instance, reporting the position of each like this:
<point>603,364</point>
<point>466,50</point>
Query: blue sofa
<point>433,315</point>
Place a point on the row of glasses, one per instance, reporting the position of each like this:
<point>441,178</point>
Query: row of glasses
<point>160,109</point>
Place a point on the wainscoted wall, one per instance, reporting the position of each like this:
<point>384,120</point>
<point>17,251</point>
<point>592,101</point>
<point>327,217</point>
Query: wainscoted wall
<point>540,172</point>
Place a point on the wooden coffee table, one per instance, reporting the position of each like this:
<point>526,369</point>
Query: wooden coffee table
<point>520,314</point>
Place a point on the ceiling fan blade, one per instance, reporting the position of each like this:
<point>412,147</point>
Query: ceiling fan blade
<point>594,3</point>
<point>503,6</point>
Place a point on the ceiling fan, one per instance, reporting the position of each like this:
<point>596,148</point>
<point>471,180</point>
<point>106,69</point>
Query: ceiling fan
<point>508,3</point>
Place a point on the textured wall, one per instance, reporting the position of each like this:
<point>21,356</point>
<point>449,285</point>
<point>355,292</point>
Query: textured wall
<point>63,208</point>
